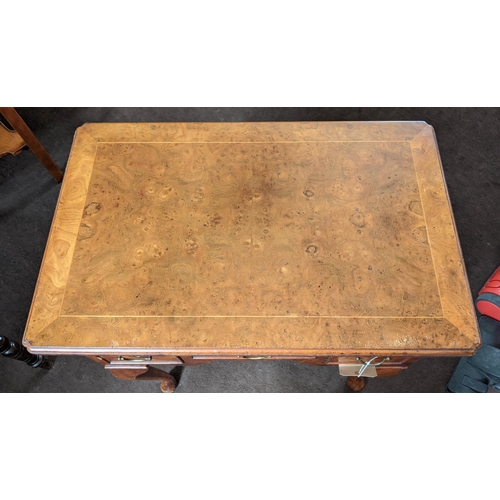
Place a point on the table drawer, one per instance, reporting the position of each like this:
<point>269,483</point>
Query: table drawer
<point>251,357</point>
<point>142,360</point>
<point>392,361</point>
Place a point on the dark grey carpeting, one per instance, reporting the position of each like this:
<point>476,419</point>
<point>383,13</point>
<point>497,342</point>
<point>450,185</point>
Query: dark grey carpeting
<point>469,141</point>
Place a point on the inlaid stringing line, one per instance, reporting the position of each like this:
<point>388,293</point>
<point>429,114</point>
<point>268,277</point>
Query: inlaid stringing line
<point>243,316</point>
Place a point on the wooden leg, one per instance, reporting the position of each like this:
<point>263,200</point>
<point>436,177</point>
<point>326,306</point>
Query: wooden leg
<point>14,350</point>
<point>356,384</point>
<point>130,372</point>
<point>12,116</point>
<point>387,370</point>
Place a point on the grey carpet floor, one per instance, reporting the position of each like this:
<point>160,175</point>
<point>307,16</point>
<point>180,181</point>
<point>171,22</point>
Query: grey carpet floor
<point>469,142</point>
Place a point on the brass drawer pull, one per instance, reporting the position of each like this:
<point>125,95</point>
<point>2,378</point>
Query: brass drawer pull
<point>134,359</point>
<point>254,357</point>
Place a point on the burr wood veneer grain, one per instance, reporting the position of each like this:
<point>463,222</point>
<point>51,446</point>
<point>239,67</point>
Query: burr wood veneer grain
<point>249,238</point>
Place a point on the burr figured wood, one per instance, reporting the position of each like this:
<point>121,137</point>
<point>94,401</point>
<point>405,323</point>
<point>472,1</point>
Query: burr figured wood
<point>323,238</point>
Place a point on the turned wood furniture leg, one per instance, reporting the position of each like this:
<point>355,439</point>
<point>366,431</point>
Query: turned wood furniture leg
<point>14,350</point>
<point>128,372</point>
<point>12,116</point>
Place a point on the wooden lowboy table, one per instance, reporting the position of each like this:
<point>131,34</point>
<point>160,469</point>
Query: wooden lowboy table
<point>183,243</point>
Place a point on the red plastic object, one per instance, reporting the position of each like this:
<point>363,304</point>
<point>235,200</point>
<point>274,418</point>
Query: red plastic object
<point>493,284</point>
<point>488,309</point>
<point>488,300</point>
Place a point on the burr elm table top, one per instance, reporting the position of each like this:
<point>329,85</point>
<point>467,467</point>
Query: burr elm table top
<point>318,237</point>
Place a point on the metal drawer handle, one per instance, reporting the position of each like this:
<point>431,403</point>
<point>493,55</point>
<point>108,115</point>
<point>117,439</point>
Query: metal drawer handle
<point>134,359</point>
<point>366,364</point>
<point>371,362</point>
<point>254,357</point>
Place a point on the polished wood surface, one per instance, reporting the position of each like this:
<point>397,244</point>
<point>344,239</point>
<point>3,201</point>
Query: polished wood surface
<point>241,239</point>
<point>12,116</point>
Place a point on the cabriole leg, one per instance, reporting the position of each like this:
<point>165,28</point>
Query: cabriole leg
<point>130,372</point>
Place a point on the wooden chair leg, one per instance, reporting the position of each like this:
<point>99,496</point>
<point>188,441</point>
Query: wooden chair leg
<point>12,116</point>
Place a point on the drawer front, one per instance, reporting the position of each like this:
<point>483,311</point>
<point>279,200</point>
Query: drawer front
<point>141,360</point>
<point>393,361</point>
<point>251,357</point>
